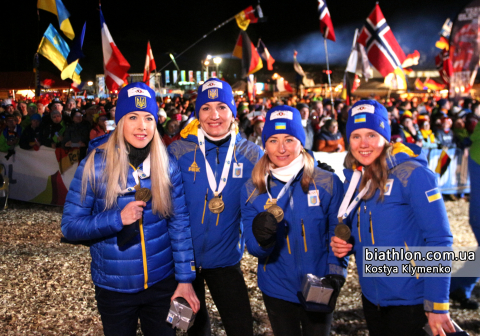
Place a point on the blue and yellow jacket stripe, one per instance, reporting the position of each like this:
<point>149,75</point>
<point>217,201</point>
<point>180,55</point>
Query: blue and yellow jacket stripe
<point>217,239</point>
<point>303,236</point>
<point>413,214</point>
<point>163,247</point>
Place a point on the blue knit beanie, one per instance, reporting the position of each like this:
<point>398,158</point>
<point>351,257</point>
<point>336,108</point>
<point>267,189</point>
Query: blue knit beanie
<point>283,119</point>
<point>368,114</point>
<point>215,90</point>
<point>136,97</point>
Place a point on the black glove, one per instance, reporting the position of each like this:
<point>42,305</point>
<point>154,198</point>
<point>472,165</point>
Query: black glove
<point>336,281</point>
<point>324,166</point>
<point>264,228</point>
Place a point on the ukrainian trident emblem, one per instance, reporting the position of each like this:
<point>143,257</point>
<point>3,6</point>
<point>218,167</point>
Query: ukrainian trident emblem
<point>212,93</point>
<point>141,102</point>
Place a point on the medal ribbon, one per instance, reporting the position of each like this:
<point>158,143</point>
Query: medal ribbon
<point>226,166</point>
<point>284,189</point>
<point>345,209</point>
<point>139,174</point>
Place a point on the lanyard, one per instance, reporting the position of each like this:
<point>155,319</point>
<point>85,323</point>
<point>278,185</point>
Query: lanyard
<point>284,189</point>
<point>226,166</point>
<point>345,209</point>
<point>138,175</point>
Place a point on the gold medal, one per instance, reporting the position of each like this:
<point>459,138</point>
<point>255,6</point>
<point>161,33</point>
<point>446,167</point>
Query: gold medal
<point>275,210</point>
<point>342,231</point>
<point>143,194</point>
<point>216,205</point>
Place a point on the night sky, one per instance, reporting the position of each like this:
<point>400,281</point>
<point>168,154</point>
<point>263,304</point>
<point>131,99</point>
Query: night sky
<point>172,26</point>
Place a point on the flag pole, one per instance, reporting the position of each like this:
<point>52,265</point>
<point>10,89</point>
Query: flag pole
<point>328,67</point>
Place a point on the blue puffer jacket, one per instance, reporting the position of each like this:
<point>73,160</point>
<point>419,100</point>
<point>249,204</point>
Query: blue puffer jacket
<point>217,239</point>
<point>303,236</point>
<point>413,214</point>
<point>164,245</point>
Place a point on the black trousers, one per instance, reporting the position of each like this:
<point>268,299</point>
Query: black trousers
<point>394,320</point>
<point>120,311</point>
<point>291,319</point>
<point>229,292</point>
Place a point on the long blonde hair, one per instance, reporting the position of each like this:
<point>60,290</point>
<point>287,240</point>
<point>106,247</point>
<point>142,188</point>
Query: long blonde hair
<point>262,167</point>
<point>377,171</point>
<point>115,173</point>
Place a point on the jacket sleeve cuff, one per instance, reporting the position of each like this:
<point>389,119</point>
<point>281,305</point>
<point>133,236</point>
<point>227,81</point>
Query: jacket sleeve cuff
<point>338,270</point>
<point>436,307</point>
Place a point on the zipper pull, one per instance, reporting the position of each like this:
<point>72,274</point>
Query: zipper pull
<point>218,160</point>
<point>365,208</point>
<point>303,229</point>
<point>200,269</point>
<point>370,228</point>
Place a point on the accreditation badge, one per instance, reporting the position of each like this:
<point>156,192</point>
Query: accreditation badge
<point>237,170</point>
<point>388,187</point>
<point>313,198</point>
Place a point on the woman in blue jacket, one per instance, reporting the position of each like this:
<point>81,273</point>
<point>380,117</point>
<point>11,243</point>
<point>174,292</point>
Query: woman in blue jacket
<point>215,162</point>
<point>392,199</point>
<point>127,199</point>
<point>292,242</point>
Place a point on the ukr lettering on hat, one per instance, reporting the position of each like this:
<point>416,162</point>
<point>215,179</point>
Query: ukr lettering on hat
<point>211,85</point>
<point>364,108</point>
<point>281,115</point>
<point>136,91</point>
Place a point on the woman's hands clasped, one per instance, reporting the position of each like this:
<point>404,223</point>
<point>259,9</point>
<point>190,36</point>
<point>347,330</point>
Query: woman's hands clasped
<point>340,247</point>
<point>132,212</point>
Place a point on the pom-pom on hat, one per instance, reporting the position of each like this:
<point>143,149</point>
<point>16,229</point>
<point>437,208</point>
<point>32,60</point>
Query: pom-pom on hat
<point>368,114</point>
<point>136,97</point>
<point>283,119</point>
<point>215,90</point>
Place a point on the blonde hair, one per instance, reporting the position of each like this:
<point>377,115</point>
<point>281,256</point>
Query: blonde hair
<point>262,167</point>
<point>115,173</point>
<point>377,171</point>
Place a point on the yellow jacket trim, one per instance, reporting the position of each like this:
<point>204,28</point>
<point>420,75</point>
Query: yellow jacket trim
<point>144,254</point>
<point>441,306</point>
<point>398,147</point>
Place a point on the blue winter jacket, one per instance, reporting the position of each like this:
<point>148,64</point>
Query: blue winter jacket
<point>217,239</point>
<point>303,236</point>
<point>163,247</point>
<point>412,214</point>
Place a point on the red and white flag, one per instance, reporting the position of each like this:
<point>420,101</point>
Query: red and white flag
<point>114,64</point>
<point>411,59</point>
<point>383,50</point>
<point>326,26</point>
<point>149,64</point>
<point>263,51</point>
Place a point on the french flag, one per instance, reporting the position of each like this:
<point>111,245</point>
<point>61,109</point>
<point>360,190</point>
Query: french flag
<point>263,51</point>
<point>114,64</point>
<point>78,87</point>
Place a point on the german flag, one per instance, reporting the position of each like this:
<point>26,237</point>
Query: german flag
<point>245,17</point>
<point>419,84</point>
<point>433,85</point>
<point>443,162</point>
<point>245,50</point>
<point>442,43</point>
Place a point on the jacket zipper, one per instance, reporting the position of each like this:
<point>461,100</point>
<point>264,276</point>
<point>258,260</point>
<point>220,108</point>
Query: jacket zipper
<point>371,229</point>
<point>265,265</point>
<point>304,236</point>
<point>358,226</point>
<point>205,236</point>
<point>205,205</point>
<point>218,160</point>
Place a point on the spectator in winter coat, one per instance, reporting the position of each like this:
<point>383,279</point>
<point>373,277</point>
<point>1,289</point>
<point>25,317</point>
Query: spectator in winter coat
<point>100,128</point>
<point>256,136</point>
<point>172,132</point>
<point>52,134</point>
<point>77,134</point>
<point>428,138</point>
<point>10,136</point>
<point>307,125</point>
<point>32,134</point>
<point>445,135</point>
<point>408,131</point>
<point>330,139</point>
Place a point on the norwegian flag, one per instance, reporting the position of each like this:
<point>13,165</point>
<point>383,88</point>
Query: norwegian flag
<point>149,64</point>
<point>383,50</point>
<point>114,64</point>
<point>326,26</point>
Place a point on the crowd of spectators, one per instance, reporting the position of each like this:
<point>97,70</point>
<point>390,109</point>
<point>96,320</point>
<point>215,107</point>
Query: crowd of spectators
<point>72,123</point>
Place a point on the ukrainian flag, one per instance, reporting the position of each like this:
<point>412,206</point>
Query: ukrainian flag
<point>280,126</point>
<point>433,195</point>
<point>360,118</point>
<point>55,49</point>
<point>56,7</point>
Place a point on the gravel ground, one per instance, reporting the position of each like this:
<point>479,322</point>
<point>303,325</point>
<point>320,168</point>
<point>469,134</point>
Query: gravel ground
<point>46,287</point>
